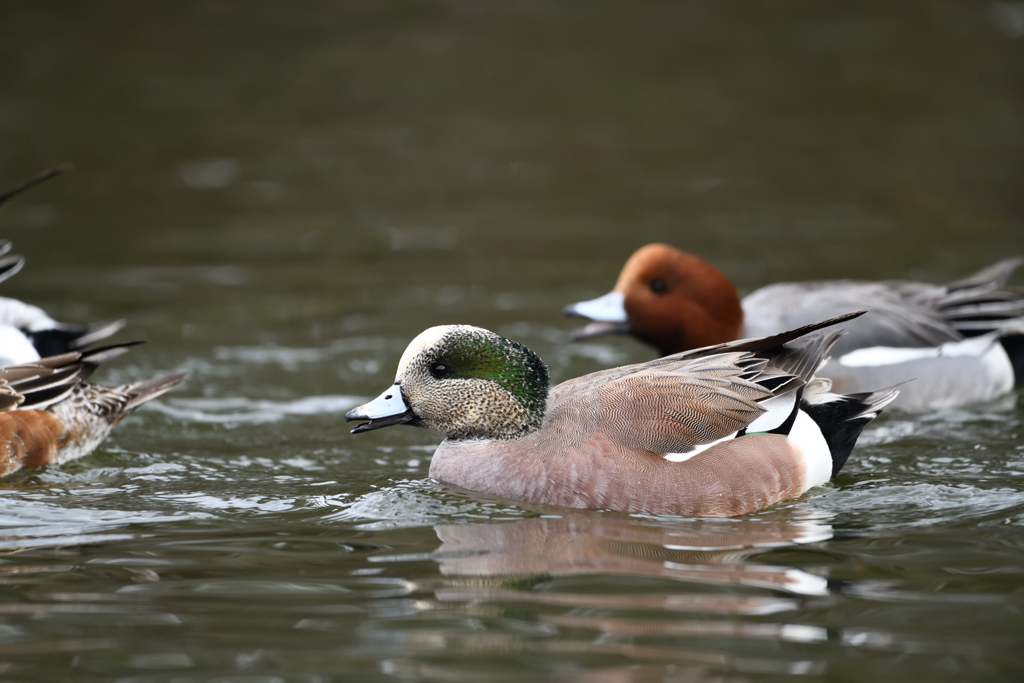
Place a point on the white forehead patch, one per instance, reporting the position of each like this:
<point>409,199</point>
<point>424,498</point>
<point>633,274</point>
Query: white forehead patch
<point>426,339</point>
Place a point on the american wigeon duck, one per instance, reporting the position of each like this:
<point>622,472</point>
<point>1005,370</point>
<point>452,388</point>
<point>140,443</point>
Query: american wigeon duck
<point>960,343</point>
<point>27,333</point>
<point>718,431</point>
<point>50,415</point>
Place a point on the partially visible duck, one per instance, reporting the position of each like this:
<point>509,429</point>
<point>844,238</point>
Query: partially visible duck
<point>50,415</point>
<point>961,343</point>
<point>27,333</point>
<point>718,431</point>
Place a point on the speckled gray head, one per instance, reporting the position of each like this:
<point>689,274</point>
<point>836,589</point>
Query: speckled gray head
<point>465,383</point>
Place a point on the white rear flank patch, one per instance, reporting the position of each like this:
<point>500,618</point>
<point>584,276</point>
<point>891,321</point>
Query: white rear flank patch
<point>1000,368</point>
<point>778,409</point>
<point>806,438</point>
<point>697,450</point>
<point>975,347</point>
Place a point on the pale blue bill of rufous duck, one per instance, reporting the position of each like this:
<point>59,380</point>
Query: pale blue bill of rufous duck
<point>960,343</point>
<point>722,430</point>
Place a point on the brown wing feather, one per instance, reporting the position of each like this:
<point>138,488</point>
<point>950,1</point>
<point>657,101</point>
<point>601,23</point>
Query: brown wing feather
<point>16,373</point>
<point>671,412</point>
<point>43,382</point>
<point>672,404</point>
<point>39,387</point>
<point>668,409</point>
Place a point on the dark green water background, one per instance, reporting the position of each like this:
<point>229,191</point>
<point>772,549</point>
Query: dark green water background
<point>281,195</point>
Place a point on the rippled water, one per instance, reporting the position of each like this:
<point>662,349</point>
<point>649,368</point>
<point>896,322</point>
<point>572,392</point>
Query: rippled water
<point>281,197</point>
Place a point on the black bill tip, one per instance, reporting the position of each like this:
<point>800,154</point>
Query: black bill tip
<point>378,422</point>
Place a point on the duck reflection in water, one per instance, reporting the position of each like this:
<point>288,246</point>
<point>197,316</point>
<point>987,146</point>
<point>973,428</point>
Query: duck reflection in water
<point>701,551</point>
<point>692,599</point>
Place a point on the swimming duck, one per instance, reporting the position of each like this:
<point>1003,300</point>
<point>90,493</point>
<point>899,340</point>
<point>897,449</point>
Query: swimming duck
<point>718,431</point>
<point>27,333</point>
<point>960,343</point>
<point>50,415</point>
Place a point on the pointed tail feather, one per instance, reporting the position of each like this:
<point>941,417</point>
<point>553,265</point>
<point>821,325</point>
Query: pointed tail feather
<point>10,265</point>
<point>764,347</point>
<point>97,331</point>
<point>981,303</point>
<point>803,356</point>
<point>105,354</point>
<point>140,392</point>
<point>775,342</point>
<point>992,277</point>
<point>33,181</point>
<point>93,358</point>
<point>841,418</point>
<point>56,340</point>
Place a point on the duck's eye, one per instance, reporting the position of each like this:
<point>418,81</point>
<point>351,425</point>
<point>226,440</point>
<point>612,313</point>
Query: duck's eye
<point>439,370</point>
<point>658,286</point>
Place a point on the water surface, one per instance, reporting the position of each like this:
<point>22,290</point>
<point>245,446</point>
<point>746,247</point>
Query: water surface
<point>280,198</point>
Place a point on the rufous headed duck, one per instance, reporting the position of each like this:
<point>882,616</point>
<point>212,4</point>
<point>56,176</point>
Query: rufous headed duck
<point>960,343</point>
<point>718,431</point>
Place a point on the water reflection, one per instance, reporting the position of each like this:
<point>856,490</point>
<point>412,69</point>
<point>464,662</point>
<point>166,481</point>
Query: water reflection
<point>664,595</point>
<point>705,552</point>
